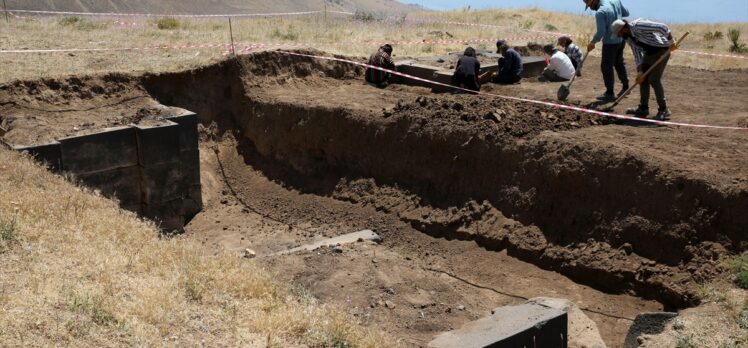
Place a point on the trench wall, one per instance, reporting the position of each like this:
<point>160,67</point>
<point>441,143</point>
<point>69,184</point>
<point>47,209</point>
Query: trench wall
<point>152,170</point>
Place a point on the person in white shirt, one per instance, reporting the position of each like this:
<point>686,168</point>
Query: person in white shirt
<point>560,67</point>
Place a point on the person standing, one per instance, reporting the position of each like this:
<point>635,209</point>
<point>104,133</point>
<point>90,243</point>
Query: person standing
<point>510,65</point>
<point>649,42</point>
<point>383,59</point>
<point>560,67</point>
<point>466,72</point>
<point>572,50</point>
<point>607,12</point>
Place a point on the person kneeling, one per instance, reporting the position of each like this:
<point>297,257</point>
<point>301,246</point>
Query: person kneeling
<point>466,72</point>
<point>560,67</point>
<point>573,51</point>
<point>510,65</point>
<point>383,59</point>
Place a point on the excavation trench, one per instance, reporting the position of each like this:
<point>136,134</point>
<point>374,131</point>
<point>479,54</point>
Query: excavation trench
<point>558,189</point>
<point>463,167</point>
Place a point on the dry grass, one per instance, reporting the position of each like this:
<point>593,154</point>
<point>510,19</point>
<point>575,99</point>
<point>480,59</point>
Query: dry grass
<point>78,271</point>
<point>335,34</point>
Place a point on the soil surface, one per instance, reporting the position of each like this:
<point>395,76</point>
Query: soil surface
<point>481,201</point>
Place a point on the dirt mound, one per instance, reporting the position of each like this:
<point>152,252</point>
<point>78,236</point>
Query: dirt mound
<point>490,118</point>
<point>37,112</point>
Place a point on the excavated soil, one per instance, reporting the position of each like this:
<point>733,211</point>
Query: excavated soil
<point>561,203</point>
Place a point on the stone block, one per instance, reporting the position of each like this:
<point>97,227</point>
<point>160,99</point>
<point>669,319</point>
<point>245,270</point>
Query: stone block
<point>120,183</point>
<point>188,135</point>
<point>158,143</point>
<point>169,216</point>
<point>190,161</point>
<point>164,182</point>
<point>527,325</point>
<point>48,154</point>
<point>108,149</point>
<point>417,70</point>
<point>193,204</point>
<point>532,66</point>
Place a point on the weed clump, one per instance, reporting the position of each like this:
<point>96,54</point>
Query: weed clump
<point>737,46</point>
<point>739,267</point>
<point>713,35</point>
<point>363,16</point>
<point>168,23</point>
<point>81,23</point>
<point>8,232</point>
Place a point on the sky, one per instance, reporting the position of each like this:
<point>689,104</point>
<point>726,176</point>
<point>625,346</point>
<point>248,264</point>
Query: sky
<point>671,11</point>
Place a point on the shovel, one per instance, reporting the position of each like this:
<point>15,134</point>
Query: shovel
<point>564,90</point>
<point>643,77</point>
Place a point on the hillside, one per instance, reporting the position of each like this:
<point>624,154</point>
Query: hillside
<point>209,6</point>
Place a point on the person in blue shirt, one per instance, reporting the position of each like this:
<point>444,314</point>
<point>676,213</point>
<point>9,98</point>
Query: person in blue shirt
<point>510,65</point>
<point>607,12</point>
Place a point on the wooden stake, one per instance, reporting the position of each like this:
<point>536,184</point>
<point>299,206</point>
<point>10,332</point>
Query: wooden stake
<point>231,32</point>
<point>5,8</point>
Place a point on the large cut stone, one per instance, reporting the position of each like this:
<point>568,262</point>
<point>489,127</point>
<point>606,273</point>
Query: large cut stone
<point>526,325</point>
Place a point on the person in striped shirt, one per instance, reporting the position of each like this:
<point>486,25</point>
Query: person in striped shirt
<point>649,41</point>
<point>573,51</point>
<point>383,59</point>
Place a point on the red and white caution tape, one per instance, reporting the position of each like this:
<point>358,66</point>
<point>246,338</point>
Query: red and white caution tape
<point>537,102</point>
<point>716,54</point>
<point>160,47</point>
<point>114,14</point>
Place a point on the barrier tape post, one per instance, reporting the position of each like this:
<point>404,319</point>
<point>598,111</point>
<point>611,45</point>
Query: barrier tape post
<point>231,33</point>
<point>5,8</point>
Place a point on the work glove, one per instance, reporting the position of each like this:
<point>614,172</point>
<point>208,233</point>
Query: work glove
<point>590,46</point>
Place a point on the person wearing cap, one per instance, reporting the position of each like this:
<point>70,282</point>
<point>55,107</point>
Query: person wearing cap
<point>560,67</point>
<point>649,41</point>
<point>607,12</point>
<point>383,59</point>
<point>510,65</point>
<point>573,51</point>
<point>466,72</point>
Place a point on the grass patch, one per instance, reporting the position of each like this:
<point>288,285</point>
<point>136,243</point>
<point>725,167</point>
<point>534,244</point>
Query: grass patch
<point>81,23</point>
<point>713,35</point>
<point>92,307</point>
<point>8,232</point>
<point>736,46</point>
<point>739,267</point>
<point>288,35</point>
<point>168,23</point>
<point>685,342</point>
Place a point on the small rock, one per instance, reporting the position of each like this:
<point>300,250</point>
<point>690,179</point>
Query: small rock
<point>493,116</point>
<point>389,304</point>
<point>249,254</point>
<point>422,101</point>
<point>627,248</point>
<point>391,291</point>
<point>374,261</point>
<point>461,307</point>
<point>337,249</point>
<point>448,310</point>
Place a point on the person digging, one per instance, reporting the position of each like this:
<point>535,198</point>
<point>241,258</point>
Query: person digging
<point>606,12</point>
<point>383,59</point>
<point>510,65</point>
<point>649,42</point>
<point>466,72</point>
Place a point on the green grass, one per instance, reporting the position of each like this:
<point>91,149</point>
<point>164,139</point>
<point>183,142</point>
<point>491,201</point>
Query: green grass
<point>168,23</point>
<point>685,342</point>
<point>739,267</point>
<point>8,232</point>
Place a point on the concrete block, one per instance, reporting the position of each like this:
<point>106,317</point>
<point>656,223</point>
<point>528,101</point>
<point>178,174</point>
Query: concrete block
<point>492,68</point>
<point>442,76</point>
<point>193,204</point>
<point>48,154</point>
<point>527,325</point>
<point>190,161</point>
<point>164,182</point>
<point>532,66</point>
<point>106,150</point>
<point>158,143</point>
<point>168,215</point>
<point>417,70</point>
<point>188,136</point>
<point>339,240</point>
<point>120,183</point>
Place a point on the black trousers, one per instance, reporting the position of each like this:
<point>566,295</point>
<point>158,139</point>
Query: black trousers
<point>468,81</point>
<point>613,63</point>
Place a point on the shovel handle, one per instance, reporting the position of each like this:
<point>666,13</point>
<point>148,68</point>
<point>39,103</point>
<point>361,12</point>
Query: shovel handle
<point>672,48</point>
<point>581,65</point>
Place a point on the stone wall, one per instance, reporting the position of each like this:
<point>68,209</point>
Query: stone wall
<point>152,169</point>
